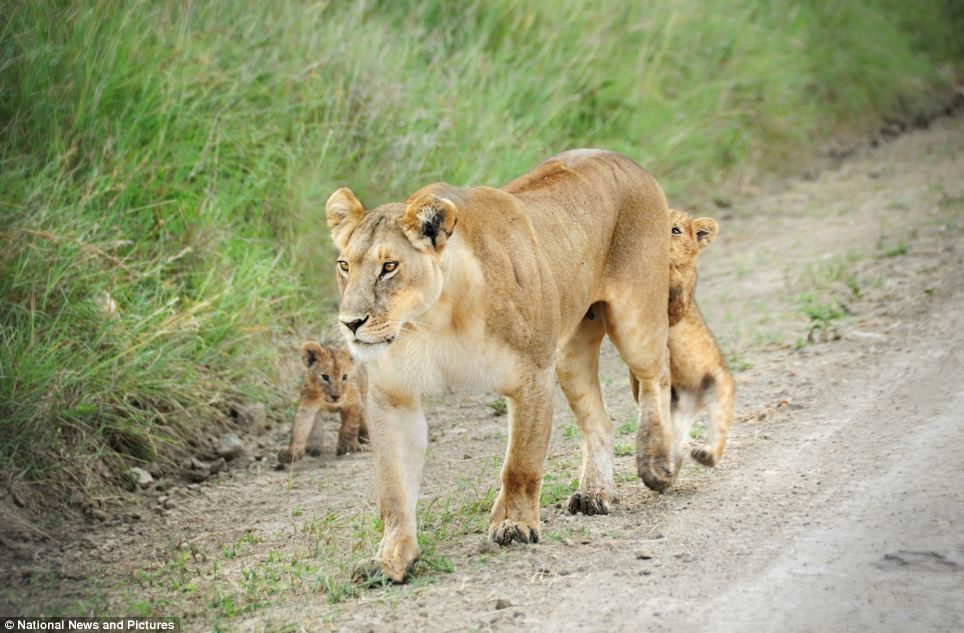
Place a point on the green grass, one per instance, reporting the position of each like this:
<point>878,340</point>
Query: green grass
<point>176,156</point>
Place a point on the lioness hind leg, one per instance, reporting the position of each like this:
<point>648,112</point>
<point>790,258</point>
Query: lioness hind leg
<point>720,405</point>
<point>641,341</point>
<point>304,419</point>
<point>578,372</point>
<point>515,513</point>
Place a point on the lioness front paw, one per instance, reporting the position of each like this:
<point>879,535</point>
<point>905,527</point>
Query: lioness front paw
<point>589,502</point>
<point>705,456</point>
<point>394,562</point>
<point>507,531</point>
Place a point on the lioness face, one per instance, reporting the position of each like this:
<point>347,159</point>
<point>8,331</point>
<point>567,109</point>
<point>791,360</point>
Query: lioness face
<point>689,238</point>
<point>389,265</point>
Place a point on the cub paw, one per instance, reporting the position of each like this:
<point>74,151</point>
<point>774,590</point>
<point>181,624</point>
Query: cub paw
<point>508,531</point>
<point>589,503</point>
<point>285,456</point>
<point>705,456</point>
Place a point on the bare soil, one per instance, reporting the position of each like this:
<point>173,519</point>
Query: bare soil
<point>838,504</point>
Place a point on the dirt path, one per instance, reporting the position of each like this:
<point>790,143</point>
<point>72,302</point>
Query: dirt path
<point>836,507</point>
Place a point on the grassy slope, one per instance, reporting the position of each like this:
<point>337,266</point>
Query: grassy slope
<point>176,156</point>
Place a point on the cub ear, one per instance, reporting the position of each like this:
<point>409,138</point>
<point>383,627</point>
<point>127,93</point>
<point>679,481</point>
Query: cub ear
<point>343,211</point>
<point>428,221</point>
<point>706,230</point>
<point>311,353</point>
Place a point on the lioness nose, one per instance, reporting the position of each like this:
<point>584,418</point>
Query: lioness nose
<point>355,324</point>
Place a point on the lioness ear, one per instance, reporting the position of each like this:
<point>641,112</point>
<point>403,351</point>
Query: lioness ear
<point>706,230</point>
<point>343,211</point>
<point>428,221</point>
<point>310,353</point>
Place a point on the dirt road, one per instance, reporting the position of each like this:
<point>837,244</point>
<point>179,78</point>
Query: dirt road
<point>837,507</point>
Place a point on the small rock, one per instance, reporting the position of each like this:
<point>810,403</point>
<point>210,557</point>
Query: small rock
<point>156,471</point>
<point>198,472</point>
<point>161,485</point>
<point>230,446</point>
<point>502,603</point>
<point>169,504</point>
<point>253,418</point>
<point>643,556</point>
<point>18,497</point>
<point>217,465</point>
<point>138,478</point>
<point>97,513</point>
<point>194,487</point>
<point>76,499</point>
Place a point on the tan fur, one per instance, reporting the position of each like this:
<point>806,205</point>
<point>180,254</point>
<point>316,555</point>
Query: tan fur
<point>332,382</point>
<point>500,289</point>
<point>700,377</point>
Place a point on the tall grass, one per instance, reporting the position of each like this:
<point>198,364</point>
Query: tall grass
<point>176,156</point>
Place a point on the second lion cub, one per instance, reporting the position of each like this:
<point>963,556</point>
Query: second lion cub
<point>699,373</point>
<point>332,382</point>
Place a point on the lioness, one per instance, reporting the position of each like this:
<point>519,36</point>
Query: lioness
<point>498,289</point>
<point>331,383</point>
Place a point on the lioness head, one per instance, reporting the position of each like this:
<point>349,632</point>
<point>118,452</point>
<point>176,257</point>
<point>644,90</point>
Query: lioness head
<point>328,371</point>
<point>389,263</point>
<point>689,238</point>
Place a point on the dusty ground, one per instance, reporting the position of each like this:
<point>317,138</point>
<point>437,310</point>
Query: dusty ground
<point>837,505</point>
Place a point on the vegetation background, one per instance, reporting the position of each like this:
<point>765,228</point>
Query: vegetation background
<point>174,157</point>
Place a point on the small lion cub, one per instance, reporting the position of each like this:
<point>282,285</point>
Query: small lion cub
<point>700,377</point>
<point>332,382</point>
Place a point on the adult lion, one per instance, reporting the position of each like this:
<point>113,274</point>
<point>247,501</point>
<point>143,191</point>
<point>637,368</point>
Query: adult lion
<point>497,289</point>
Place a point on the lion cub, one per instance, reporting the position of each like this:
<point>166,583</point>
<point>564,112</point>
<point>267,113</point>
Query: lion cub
<point>700,377</point>
<point>332,382</point>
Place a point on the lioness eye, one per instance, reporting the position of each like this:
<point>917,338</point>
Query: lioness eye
<point>676,231</point>
<point>343,265</point>
<point>388,267</point>
<point>325,377</point>
<point>344,377</point>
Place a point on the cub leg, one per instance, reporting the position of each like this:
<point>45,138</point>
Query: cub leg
<point>316,439</point>
<point>399,440</point>
<point>351,425</point>
<point>720,405</point>
<point>515,514</point>
<point>578,374</point>
<point>685,407</point>
<point>304,420</point>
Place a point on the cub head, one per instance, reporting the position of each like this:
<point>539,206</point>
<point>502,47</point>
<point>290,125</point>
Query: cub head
<point>328,370</point>
<point>389,262</point>
<point>689,238</point>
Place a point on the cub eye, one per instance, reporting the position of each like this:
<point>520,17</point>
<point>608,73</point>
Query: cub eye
<point>676,231</point>
<point>389,267</point>
<point>325,377</point>
<point>344,377</point>
<point>343,265</point>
